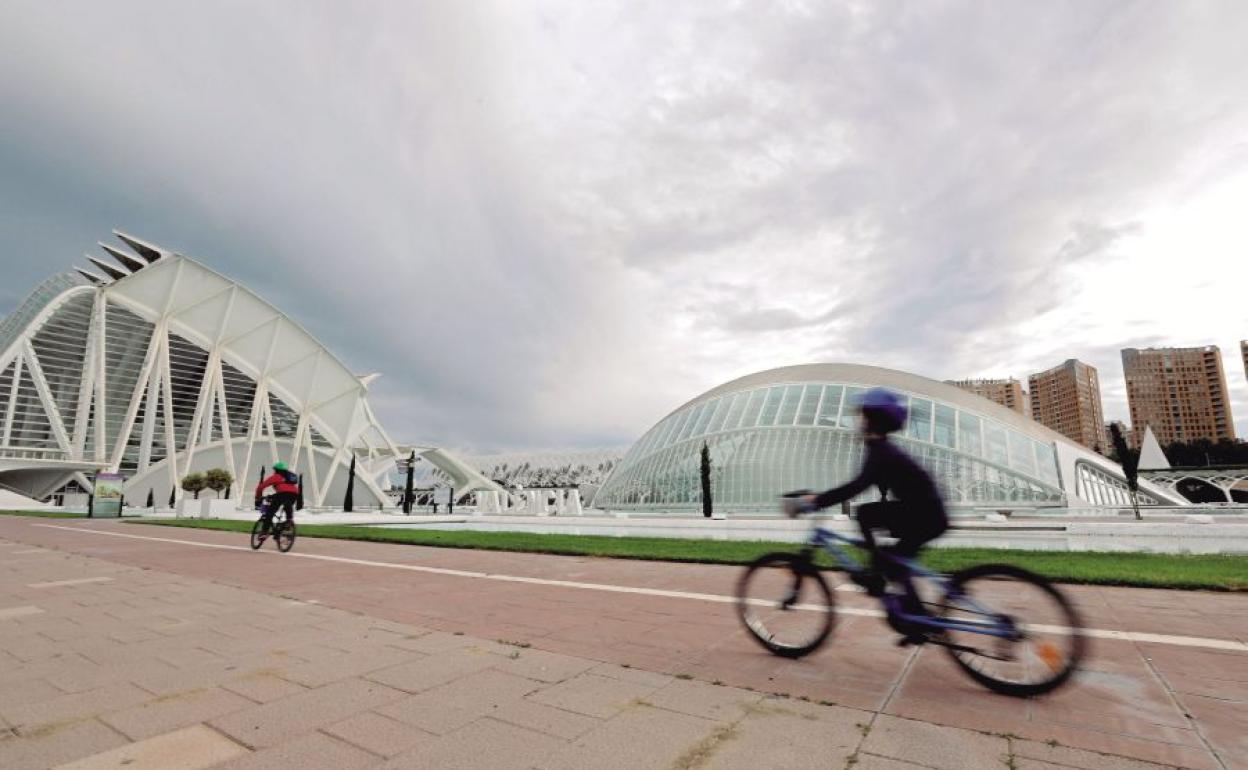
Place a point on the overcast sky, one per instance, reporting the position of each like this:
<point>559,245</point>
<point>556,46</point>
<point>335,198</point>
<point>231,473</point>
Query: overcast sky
<point>549,223</point>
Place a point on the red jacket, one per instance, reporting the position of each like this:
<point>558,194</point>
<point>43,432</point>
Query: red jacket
<point>279,484</point>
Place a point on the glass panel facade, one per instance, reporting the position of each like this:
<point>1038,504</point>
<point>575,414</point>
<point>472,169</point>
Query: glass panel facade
<point>919,426</point>
<point>722,407</point>
<point>1022,455</point>
<point>770,407</point>
<point>61,348</point>
<point>788,408</point>
<point>12,325</point>
<point>734,412</point>
<point>944,430</point>
<point>975,460</point>
<point>830,406</point>
<point>704,418</point>
<point>1046,463</point>
<point>970,439</point>
<point>753,408</point>
<point>849,406</point>
<point>810,405</point>
<point>687,429</point>
<point>994,443</point>
<point>126,341</point>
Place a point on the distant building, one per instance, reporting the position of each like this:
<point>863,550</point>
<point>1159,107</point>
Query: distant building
<point>1179,392</point>
<point>1067,399</point>
<point>1008,393</point>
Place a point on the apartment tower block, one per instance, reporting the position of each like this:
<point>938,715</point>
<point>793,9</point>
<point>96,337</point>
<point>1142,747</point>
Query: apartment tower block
<point>1180,392</point>
<point>1067,399</point>
<point>1008,393</point>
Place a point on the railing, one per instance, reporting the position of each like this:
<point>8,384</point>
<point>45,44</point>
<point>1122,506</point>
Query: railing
<point>42,454</point>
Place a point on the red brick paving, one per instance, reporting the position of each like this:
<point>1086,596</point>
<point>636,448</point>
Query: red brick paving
<point>1161,703</point>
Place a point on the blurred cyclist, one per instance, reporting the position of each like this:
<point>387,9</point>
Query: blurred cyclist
<point>915,515</point>
<point>285,491</point>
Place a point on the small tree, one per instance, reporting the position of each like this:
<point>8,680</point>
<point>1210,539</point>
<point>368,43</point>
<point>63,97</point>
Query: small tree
<point>194,483</point>
<point>348,501</point>
<point>1130,466</point>
<point>706,480</point>
<point>218,480</point>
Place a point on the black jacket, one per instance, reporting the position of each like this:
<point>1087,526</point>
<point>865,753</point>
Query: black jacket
<point>896,474</point>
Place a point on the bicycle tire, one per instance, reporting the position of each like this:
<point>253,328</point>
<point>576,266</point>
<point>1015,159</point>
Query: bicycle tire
<point>1071,657</point>
<point>259,533</point>
<point>284,536</point>
<point>803,571</point>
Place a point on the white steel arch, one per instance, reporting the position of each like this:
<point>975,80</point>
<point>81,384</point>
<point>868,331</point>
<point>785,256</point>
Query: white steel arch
<point>165,362</point>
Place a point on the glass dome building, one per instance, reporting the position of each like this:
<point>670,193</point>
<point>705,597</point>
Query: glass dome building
<point>796,428</point>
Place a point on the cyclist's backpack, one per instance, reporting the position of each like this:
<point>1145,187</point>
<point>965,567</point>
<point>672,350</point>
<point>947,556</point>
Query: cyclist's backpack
<point>291,478</point>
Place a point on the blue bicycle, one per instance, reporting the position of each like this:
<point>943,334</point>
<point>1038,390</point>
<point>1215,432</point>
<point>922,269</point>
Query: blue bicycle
<point>976,614</point>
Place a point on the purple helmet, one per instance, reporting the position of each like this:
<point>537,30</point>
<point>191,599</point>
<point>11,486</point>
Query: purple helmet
<point>884,410</point>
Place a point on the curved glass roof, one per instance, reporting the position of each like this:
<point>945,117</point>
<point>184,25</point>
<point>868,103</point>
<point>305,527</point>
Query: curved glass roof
<point>12,325</point>
<point>767,437</point>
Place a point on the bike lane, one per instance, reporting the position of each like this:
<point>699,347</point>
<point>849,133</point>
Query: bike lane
<point>1160,701</point>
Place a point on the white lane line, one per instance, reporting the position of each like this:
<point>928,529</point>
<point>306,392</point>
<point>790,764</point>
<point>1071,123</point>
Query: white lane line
<point>73,582</point>
<point>18,612</point>
<point>1097,633</point>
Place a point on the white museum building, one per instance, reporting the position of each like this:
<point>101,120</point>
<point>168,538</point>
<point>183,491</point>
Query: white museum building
<point>153,365</point>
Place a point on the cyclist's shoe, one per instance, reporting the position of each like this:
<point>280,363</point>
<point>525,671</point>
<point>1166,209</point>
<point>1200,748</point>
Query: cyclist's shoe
<point>873,581</point>
<point>914,637</point>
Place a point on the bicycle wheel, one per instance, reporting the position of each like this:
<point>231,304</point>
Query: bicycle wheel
<point>1046,644</point>
<point>786,604</point>
<point>259,533</point>
<point>285,535</point>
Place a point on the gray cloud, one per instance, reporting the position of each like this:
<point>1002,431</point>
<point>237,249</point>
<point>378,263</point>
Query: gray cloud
<point>548,223</point>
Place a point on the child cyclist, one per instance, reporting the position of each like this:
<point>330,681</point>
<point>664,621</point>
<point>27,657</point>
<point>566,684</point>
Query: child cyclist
<point>915,515</point>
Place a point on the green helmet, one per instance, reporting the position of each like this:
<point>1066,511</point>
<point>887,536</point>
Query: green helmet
<point>279,466</point>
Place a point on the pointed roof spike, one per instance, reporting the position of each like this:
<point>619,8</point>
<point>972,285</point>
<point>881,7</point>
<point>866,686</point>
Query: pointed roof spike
<point>146,250</point>
<point>92,277</point>
<point>1151,456</point>
<point>127,261</point>
<point>108,269</point>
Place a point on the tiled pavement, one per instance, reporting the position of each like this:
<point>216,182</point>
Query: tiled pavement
<point>117,652</point>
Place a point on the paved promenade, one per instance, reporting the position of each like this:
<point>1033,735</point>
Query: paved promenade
<point>128,646</point>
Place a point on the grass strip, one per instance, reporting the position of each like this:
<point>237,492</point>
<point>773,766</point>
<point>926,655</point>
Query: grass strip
<point>45,514</point>
<point>1217,572</point>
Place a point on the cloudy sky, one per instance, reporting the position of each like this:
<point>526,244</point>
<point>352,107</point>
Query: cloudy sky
<point>549,223</point>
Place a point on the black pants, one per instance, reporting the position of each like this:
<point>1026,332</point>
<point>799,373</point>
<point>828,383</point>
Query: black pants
<point>283,501</point>
<point>913,526</point>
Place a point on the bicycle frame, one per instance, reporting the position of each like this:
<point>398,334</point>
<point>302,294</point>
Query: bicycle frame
<point>1001,627</point>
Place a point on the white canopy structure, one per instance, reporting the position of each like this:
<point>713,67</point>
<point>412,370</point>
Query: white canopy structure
<point>156,366</point>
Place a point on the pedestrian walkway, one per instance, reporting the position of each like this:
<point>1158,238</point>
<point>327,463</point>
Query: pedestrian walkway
<point>121,651</point>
